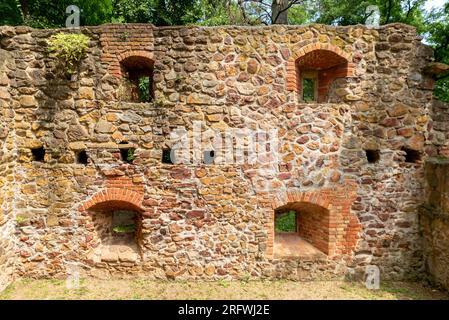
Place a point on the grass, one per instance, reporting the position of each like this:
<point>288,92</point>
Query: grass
<point>143,289</point>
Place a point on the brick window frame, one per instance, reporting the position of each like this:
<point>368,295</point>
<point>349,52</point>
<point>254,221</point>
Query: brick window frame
<point>329,74</point>
<point>97,215</point>
<point>343,227</point>
<point>114,198</point>
<point>136,64</point>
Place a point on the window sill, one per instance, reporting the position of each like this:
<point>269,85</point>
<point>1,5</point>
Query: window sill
<point>289,245</point>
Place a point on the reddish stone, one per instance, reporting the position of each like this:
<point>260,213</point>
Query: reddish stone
<point>302,139</point>
<point>284,175</point>
<point>390,122</point>
<point>195,214</point>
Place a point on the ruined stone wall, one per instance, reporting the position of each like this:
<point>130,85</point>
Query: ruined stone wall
<point>434,221</point>
<point>435,211</point>
<point>440,128</point>
<point>7,165</point>
<point>393,114</point>
<point>208,221</point>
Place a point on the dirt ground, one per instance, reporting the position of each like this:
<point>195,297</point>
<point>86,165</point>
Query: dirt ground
<point>162,290</point>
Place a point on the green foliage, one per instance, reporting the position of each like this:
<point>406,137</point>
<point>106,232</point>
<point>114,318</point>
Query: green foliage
<point>144,89</point>
<point>69,49</point>
<point>286,222</point>
<point>218,12</point>
<point>353,12</point>
<point>308,90</point>
<point>442,90</point>
<point>127,228</point>
<point>438,37</point>
<point>438,29</point>
<point>337,12</point>
<point>51,14</point>
<point>130,156</point>
<point>21,220</point>
<point>10,12</point>
<point>158,12</point>
<point>299,15</point>
<point>132,11</point>
<point>95,12</point>
<point>177,12</point>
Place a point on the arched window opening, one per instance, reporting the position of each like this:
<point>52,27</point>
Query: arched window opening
<point>316,71</point>
<point>137,81</point>
<point>301,230</point>
<point>117,233</point>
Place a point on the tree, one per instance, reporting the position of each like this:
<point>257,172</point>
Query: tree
<point>132,11</point>
<point>352,12</point>
<point>438,30</point>
<point>48,13</point>
<point>159,12</point>
<point>220,12</point>
<point>267,11</point>
<point>279,11</point>
<point>299,15</point>
<point>174,12</point>
<point>10,10</point>
<point>335,12</point>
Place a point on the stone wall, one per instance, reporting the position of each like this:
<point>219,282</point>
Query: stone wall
<point>440,128</point>
<point>434,220</point>
<point>217,220</point>
<point>435,212</point>
<point>7,161</point>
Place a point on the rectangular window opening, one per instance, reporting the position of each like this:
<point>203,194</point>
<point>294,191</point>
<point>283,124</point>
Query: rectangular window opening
<point>308,89</point>
<point>372,156</point>
<point>167,156</point>
<point>82,157</point>
<point>126,152</point>
<point>38,154</point>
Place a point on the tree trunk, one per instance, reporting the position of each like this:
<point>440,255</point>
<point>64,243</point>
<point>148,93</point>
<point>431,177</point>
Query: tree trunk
<point>279,12</point>
<point>24,8</point>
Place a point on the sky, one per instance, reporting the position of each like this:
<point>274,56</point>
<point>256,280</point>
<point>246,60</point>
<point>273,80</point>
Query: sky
<point>435,4</point>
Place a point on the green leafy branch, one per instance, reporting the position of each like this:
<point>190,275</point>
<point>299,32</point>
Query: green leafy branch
<point>69,49</point>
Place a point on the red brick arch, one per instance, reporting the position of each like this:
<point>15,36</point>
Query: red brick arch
<point>292,74</point>
<point>343,226</point>
<point>114,66</point>
<point>142,58</point>
<point>114,198</point>
<point>135,53</point>
<point>120,40</point>
<point>313,197</point>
